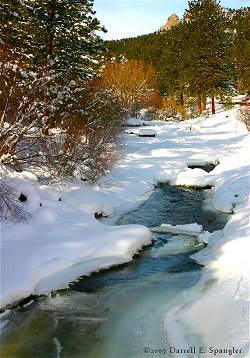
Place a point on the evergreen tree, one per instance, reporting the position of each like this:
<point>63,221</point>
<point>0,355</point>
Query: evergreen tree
<point>173,62</point>
<point>241,48</point>
<point>15,39</point>
<point>209,40</point>
<point>68,47</point>
<point>66,37</point>
<point>55,38</point>
<point>49,51</point>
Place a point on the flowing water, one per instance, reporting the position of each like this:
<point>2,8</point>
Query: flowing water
<point>119,312</point>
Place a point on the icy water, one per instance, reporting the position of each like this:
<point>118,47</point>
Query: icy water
<point>118,313</point>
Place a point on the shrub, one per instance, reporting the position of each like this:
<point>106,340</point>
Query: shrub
<point>171,109</point>
<point>228,104</point>
<point>21,109</point>
<point>243,114</point>
<point>11,208</point>
<point>85,142</point>
<point>133,83</point>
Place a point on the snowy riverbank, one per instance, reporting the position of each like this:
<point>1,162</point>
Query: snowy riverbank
<point>216,310</point>
<point>63,239</point>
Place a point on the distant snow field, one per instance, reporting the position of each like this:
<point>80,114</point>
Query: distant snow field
<point>64,240</point>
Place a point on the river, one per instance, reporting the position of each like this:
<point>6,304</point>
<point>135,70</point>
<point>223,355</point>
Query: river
<point>119,312</point>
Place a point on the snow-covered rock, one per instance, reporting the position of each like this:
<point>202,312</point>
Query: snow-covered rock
<point>147,132</point>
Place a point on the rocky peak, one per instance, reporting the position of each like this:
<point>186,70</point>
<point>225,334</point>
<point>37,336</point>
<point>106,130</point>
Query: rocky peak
<point>171,21</point>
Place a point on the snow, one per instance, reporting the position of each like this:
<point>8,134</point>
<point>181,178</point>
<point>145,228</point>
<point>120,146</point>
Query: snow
<point>189,229</point>
<point>147,132</point>
<point>176,245</point>
<point>63,240</point>
<point>194,230</point>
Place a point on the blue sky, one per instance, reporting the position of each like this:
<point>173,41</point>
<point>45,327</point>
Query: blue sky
<point>128,18</point>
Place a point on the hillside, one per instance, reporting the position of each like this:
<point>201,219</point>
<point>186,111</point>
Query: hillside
<point>168,50</point>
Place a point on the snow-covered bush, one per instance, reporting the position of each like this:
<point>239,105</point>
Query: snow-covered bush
<point>243,114</point>
<point>87,141</point>
<point>148,114</point>
<point>171,109</point>
<point>11,203</point>
<point>43,85</point>
<point>21,109</point>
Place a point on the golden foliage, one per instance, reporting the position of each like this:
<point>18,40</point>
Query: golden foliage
<point>131,81</point>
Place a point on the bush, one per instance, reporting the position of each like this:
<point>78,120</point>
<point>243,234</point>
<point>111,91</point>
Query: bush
<point>228,105</point>
<point>11,208</point>
<point>21,109</point>
<point>243,114</point>
<point>85,142</point>
<point>171,109</point>
<point>89,144</point>
<point>133,83</point>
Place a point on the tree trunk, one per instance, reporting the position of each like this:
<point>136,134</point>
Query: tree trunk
<point>204,103</point>
<point>199,88</point>
<point>212,91</point>
<point>213,104</point>
<point>181,96</point>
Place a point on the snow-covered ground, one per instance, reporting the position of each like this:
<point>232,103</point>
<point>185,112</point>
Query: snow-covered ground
<point>64,240</point>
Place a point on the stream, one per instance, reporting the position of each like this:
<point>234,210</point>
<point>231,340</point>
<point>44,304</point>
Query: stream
<point>119,312</point>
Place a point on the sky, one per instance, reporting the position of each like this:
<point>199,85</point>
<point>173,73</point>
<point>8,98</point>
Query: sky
<point>129,18</point>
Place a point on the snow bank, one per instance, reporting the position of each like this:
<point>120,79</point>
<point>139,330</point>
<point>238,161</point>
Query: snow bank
<point>194,230</point>
<point>49,259</point>
<point>191,178</point>
<point>64,240</point>
<point>216,310</point>
<point>87,200</point>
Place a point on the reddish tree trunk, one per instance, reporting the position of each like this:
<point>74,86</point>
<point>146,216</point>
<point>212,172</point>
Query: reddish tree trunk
<point>181,96</point>
<point>204,104</point>
<point>199,108</point>
<point>213,104</point>
<point>212,91</point>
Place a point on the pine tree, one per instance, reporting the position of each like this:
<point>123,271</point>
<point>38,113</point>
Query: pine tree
<point>173,62</point>
<point>66,36</point>
<point>67,48</point>
<point>209,40</point>
<point>15,39</point>
<point>57,39</point>
<point>22,89</point>
<point>241,48</point>
<point>48,51</point>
